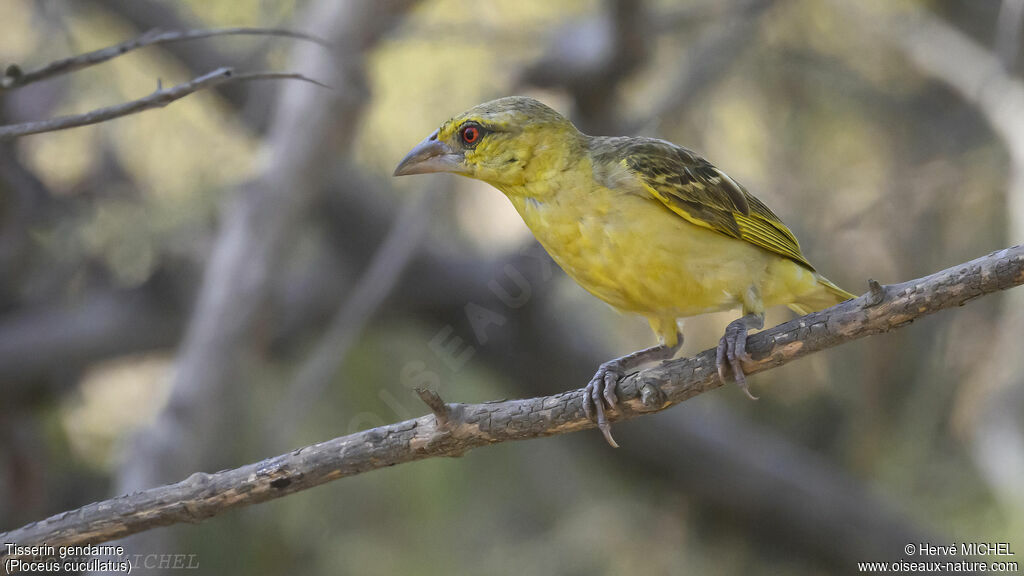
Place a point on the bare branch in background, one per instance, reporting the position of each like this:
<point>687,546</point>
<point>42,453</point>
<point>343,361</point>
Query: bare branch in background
<point>1008,25</point>
<point>369,292</point>
<point>707,60</point>
<point>591,58</point>
<point>470,426</point>
<point>162,97</point>
<point>14,77</point>
<point>251,102</point>
<point>309,129</point>
<point>978,76</point>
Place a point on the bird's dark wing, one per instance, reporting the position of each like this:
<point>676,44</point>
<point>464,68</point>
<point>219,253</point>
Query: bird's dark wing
<point>693,188</point>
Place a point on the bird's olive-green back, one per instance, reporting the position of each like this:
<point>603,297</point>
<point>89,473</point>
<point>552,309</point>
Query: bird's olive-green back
<point>694,189</point>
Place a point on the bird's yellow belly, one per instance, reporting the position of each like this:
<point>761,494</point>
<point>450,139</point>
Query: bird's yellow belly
<point>639,257</point>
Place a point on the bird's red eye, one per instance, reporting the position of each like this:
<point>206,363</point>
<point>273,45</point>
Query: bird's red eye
<point>470,134</point>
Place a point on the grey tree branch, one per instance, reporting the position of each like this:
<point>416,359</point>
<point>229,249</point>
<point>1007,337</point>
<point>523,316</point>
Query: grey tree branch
<point>252,103</point>
<point>591,58</point>
<point>14,77</point>
<point>984,81</point>
<point>309,129</point>
<point>368,293</point>
<point>1008,26</point>
<point>469,426</point>
<point>708,59</point>
<point>162,97</point>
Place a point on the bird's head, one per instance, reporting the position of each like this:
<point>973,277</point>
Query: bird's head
<point>502,142</point>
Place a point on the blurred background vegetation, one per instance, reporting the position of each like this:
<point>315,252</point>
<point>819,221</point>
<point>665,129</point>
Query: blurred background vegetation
<point>202,286</point>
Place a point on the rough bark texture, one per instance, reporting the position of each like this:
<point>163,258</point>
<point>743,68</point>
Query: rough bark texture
<point>454,429</point>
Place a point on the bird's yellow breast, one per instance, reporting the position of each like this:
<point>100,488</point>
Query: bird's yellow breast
<point>636,255</point>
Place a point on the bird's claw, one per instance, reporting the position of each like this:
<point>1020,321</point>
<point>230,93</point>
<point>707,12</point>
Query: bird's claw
<point>600,391</point>
<point>732,351</point>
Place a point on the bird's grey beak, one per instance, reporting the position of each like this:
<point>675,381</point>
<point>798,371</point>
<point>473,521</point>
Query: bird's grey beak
<point>429,156</point>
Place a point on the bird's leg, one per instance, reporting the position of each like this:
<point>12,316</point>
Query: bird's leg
<point>732,349</point>
<point>602,387</point>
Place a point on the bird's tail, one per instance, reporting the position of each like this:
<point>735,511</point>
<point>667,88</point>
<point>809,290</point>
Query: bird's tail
<point>827,295</point>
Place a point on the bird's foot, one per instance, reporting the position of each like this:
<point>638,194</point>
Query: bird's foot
<point>601,390</point>
<point>600,393</point>
<point>732,350</point>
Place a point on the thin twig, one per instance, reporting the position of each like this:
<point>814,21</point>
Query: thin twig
<point>160,98</point>
<point>876,293</point>
<point>469,426</point>
<point>14,77</point>
<point>433,401</point>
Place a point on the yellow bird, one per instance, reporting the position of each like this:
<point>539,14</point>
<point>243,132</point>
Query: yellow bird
<point>647,226</point>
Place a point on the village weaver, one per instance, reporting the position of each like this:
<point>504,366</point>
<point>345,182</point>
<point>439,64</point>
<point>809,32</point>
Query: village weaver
<point>647,226</point>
